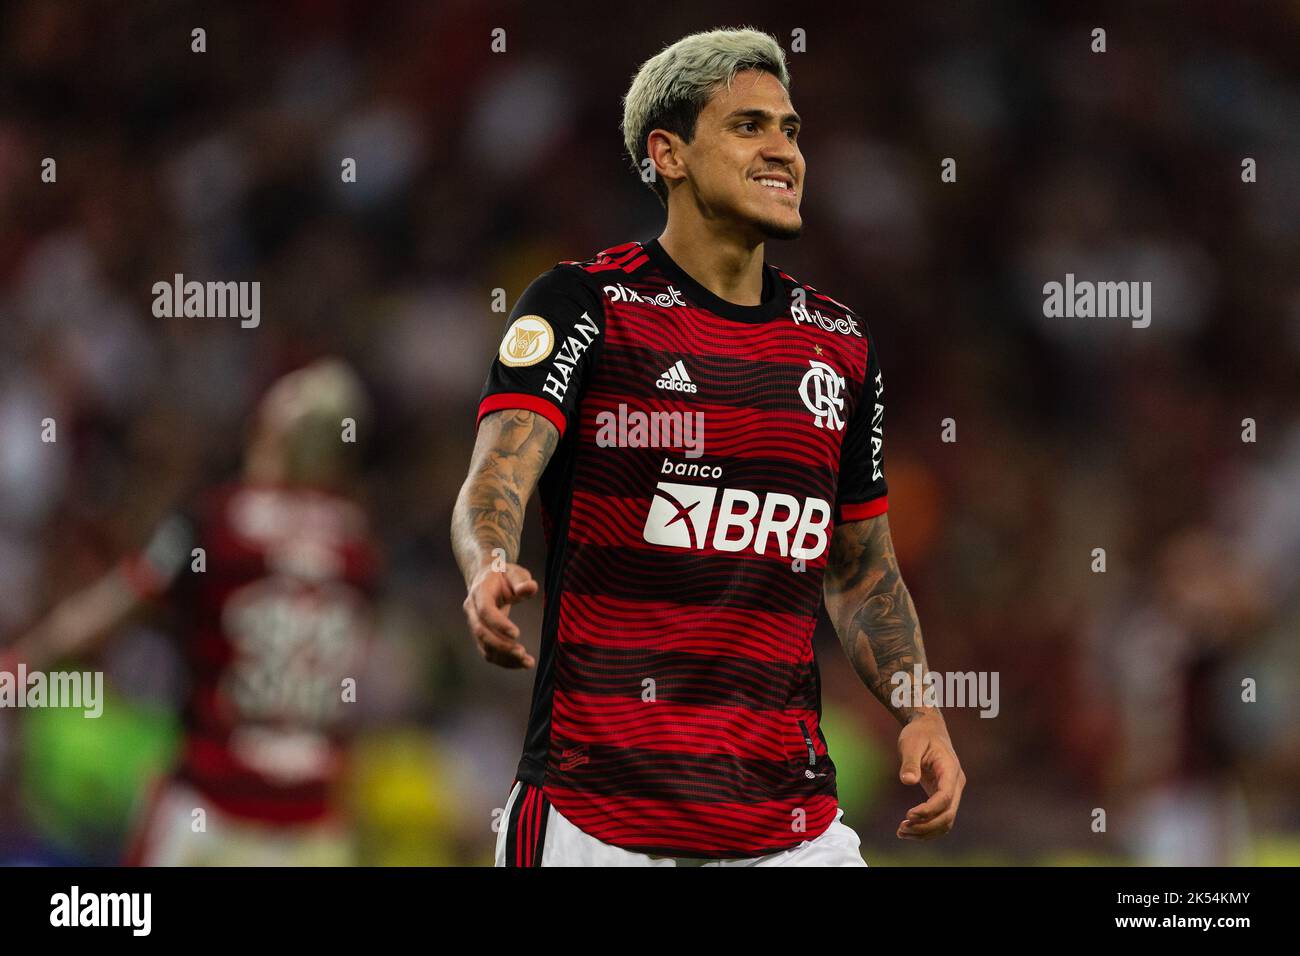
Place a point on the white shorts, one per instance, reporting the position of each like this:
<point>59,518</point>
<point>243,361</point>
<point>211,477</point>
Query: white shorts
<point>557,842</point>
<point>169,834</point>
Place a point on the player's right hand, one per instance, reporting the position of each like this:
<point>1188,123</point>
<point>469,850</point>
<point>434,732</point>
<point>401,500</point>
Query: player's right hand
<point>487,609</point>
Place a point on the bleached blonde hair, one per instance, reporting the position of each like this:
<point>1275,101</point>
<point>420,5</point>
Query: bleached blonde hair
<point>306,409</point>
<point>673,86</point>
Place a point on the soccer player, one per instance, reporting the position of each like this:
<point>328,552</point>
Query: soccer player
<point>275,611</point>
<point>705,431</point>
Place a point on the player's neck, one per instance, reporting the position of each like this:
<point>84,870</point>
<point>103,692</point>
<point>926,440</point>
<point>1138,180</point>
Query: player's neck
<point>726,264</point>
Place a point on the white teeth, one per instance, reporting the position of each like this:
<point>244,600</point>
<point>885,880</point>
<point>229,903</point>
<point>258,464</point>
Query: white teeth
<point>773,182</point>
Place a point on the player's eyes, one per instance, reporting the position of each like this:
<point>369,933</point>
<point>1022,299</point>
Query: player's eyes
<point>749,126</point>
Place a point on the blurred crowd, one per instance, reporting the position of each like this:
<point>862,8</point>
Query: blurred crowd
<point>1121,690</point>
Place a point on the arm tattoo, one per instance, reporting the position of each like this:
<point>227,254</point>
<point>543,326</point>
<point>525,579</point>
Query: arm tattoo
<point>872,610</point>
<point>510,454</point>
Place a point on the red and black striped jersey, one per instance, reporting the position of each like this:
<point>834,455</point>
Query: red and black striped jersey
<point>707,450</point>
<point>272,588</point>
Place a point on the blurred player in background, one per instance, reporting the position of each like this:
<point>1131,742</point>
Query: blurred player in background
<point>272,579</point>
<point>676,712</point>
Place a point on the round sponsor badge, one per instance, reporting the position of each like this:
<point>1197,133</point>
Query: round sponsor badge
<point>528,340</point>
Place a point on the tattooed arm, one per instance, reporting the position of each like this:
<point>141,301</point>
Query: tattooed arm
<point>872,610</point>
<point>510,454</point>
<point>876,621</point>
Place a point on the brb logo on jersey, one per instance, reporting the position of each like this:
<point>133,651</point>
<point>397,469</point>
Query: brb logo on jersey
<point>821,390</point>
<point>680,516</point>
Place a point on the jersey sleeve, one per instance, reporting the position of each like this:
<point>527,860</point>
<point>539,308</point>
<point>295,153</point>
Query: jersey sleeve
<point>546,354</point>
<point>862,490</point>
<point>151,571</point>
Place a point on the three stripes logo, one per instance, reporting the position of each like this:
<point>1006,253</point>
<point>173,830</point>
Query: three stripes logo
<point>526,826</point>
<point>676,379</point>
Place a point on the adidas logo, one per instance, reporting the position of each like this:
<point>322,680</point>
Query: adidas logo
<point>676,379</point>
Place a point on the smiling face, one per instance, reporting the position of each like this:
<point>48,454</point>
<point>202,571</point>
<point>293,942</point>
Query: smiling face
<point>744,163</point>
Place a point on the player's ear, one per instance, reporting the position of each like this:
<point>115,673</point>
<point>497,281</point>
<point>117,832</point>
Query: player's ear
<point>665,151</point>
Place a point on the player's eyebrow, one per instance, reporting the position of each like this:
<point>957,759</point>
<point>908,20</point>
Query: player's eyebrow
<point>758,113</point>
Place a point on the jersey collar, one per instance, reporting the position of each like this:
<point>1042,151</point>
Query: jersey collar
<point>768,309</point>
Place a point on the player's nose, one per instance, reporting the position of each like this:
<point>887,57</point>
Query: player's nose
<point>780,155</point>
